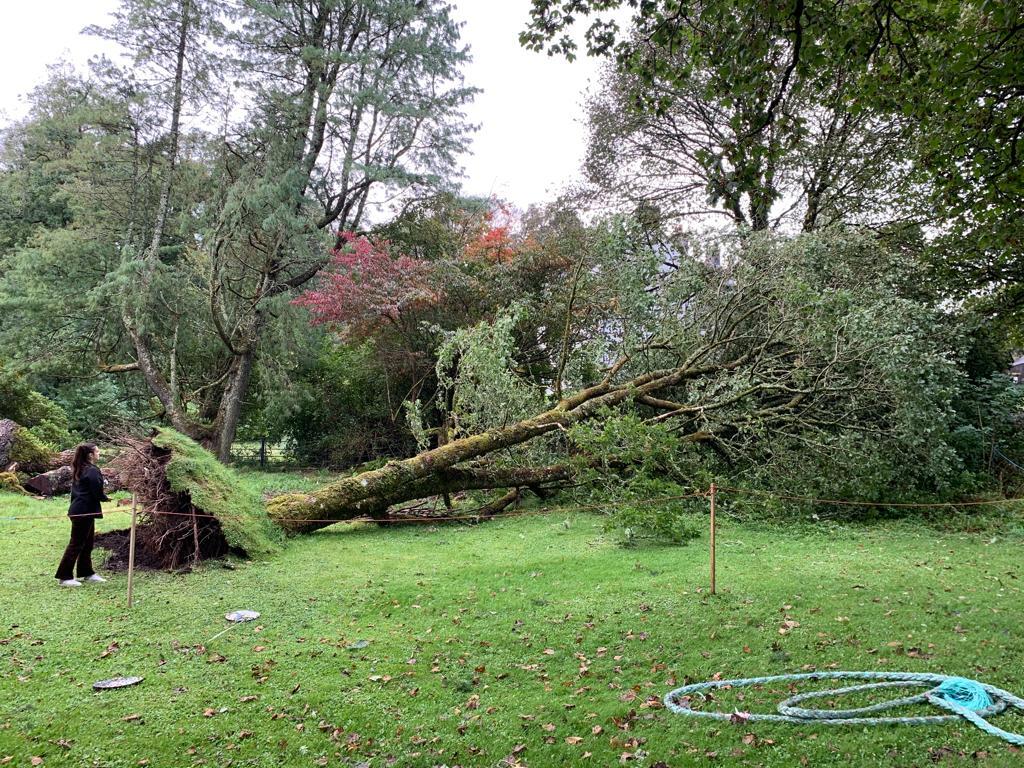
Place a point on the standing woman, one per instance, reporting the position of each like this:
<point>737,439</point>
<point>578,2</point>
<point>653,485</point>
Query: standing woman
<point>86,495</point>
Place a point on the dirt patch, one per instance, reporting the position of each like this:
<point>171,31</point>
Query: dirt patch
<point>116,542</point>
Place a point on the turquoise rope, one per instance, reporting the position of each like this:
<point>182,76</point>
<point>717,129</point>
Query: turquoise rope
<point>964,699</point>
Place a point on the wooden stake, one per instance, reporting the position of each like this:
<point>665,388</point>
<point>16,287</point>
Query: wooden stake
<point>712,494</point>
<point>131,554</point>
<point>195,537</point>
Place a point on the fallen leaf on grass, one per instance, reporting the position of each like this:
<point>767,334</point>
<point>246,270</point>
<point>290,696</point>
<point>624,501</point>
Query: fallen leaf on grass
<point>131,718</point>
<point>112,648</point>
<point>573,739</point>
<point>37,761</point>
<point>788,625</point>
<point>246,699</point>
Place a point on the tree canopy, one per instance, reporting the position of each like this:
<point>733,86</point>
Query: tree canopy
<point>793,258</point>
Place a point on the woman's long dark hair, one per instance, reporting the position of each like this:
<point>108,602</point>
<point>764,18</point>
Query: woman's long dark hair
<point>83,458</point>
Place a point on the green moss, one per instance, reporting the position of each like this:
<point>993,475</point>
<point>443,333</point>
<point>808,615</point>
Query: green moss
<point>218,491</point>
<point>9,482</point>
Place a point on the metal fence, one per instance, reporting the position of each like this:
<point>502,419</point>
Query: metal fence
<point>262,453</point>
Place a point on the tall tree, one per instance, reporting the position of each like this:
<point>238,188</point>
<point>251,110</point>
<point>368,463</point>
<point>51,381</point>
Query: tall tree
<point>705,153</point>
<point>252,133</point>
<point>948,69</point>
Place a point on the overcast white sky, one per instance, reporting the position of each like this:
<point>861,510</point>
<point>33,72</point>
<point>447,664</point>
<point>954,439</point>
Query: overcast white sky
<point>530,141</point>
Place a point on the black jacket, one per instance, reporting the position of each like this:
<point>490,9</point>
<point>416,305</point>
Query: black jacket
<point>87,493</point>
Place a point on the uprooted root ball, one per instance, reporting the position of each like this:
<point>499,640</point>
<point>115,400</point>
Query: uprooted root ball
<point>190,507</point>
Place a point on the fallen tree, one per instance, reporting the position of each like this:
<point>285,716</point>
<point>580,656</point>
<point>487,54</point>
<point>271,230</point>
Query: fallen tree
<point>780,349</point>
<point>57,481</point>
<point>784,362</point>
<point>20,450</point>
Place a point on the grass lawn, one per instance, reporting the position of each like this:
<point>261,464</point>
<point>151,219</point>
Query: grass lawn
<point>535,640</point>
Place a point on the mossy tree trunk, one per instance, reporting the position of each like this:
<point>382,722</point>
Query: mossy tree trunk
<point>435,471</point>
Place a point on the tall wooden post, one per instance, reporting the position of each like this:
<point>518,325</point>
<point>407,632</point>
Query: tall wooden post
<point>131,553</point>
<point>712,495</point>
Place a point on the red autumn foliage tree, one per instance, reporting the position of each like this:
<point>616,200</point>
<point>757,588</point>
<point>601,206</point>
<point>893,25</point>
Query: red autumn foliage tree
<point>367,287</point>
<point>494,242</point>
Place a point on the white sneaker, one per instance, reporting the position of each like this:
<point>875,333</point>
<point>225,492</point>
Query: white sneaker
<point>70,583</point>
<point>95,577</point>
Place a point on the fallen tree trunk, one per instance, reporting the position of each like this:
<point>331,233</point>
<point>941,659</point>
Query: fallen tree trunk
<point>311,516</point>
<point>433,471</point>
<point>52,483</point>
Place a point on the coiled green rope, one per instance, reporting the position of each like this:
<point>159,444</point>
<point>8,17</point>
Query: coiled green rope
<point>964,698</point>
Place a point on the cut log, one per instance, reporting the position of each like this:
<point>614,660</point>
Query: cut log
<point>52,483</point>
<point>58,481</point>
<point>62,459</point>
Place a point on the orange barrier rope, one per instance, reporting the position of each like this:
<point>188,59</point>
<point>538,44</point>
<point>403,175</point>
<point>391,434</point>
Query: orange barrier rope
<point>576,508</point>
<point>439,518</point>
<point>854,503</point>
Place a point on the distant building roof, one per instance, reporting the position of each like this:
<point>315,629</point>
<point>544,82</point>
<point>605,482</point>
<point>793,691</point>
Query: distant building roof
<point>1018,361</point>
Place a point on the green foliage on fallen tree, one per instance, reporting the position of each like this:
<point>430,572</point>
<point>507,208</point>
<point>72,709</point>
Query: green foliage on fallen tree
<point>10,483</point>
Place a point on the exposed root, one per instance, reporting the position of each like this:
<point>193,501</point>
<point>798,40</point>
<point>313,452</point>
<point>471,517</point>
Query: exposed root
<point>171,532</point>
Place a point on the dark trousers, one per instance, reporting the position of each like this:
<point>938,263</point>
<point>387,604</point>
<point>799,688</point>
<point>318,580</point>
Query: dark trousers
<point>79,549</point>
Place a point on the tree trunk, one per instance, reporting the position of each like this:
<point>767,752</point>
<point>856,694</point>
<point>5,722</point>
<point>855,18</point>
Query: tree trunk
<point>58,481</point>
<point>8,428</point>
<point>226,424</point>
<point>303,513</point>
<point>433,471</point>
<point>157,382</point>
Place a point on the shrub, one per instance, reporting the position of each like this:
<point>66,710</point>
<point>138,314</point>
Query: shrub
<point>44,419</point>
